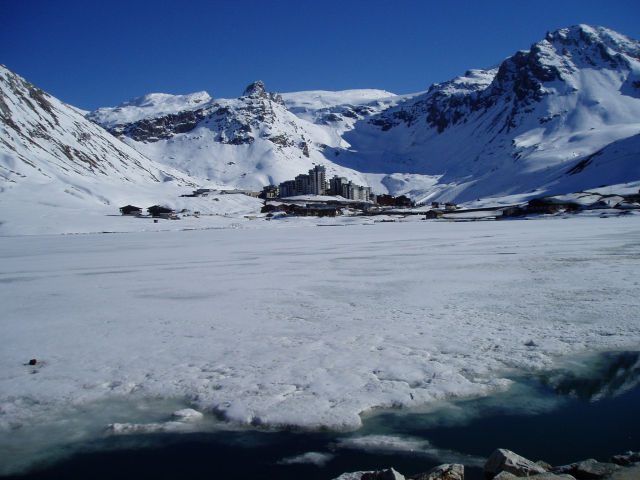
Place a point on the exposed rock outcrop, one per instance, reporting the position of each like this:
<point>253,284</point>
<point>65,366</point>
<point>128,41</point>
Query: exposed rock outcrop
<point>258,90</point>
<point>589,469</point>
<point>503,460</point>
<point>389,474</point>
<point>626,458</point>
<point>447,471</point>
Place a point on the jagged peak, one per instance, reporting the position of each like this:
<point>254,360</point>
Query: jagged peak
<point>258,90</point>
<point>255,90</point>
<point>595,35</point>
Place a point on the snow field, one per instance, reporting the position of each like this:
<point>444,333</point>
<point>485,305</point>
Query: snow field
<point>306,327</point>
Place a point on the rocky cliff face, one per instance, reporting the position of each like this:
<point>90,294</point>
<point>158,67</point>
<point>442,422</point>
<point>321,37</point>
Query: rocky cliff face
<point>233,130</point>
<point>522,80</point>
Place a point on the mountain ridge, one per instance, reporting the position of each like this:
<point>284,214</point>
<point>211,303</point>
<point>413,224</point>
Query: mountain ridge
<point>543,109</point>
<point>561,116</point>
<point>56,163</point>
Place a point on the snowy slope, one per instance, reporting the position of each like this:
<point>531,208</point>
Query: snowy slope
<point>149,106</point>
<point>54,162</point>
<point>247,142</point>
<point>515,128</point>
<point>338,111</point>
<point>509,130</point>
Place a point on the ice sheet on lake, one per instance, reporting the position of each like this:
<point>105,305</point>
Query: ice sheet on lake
<point>315,458</point>
<point>304,326</point>
<point>392,444</point>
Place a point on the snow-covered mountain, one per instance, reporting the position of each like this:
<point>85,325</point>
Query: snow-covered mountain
<point>247,142</point>
<point>53,159</point>
<point>520,128</point>
<point>526,125</point>
<point>560,117</point>
<point>43,138</point>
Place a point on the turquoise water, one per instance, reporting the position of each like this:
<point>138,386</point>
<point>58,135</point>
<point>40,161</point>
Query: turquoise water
<point>588,408</point>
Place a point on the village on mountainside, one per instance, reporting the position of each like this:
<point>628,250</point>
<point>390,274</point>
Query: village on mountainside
<point>306,195</point>
<point>312,195</point>
<point>315,184</point>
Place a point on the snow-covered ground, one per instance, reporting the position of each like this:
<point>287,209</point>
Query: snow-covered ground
<point>300,326</point>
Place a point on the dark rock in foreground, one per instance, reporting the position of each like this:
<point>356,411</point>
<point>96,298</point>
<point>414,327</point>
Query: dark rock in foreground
<point>588,469</point>
<point>506,465</point>
<point>389,474</point>
<point>447,471</point>
<point>626,458</point>
<point>503,460</point>
<point>538,476</point>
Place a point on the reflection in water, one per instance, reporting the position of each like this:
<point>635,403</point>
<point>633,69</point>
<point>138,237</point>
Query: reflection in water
<point>609,375</point>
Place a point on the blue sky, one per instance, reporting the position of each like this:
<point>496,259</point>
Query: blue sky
<point>101,53</point>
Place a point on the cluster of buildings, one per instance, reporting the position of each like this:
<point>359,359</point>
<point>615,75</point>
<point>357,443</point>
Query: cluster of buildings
<point>315,183</point>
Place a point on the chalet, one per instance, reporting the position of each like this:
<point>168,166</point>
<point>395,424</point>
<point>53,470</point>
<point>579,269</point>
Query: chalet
<point>323,210</point>
<point>270,191</point>
<point>514,211</point>
<point>249,193</point>
<point>159,211</point>
<point>131,210</point>
<point>316,210</point>
<point>551,205</point>
<point>633,198</point>
<point>268,208</point>
<point>391,201</point>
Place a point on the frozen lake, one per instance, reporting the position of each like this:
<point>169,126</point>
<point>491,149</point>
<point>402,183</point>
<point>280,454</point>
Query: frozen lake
<point>598,420</point>
<point>295,327</point>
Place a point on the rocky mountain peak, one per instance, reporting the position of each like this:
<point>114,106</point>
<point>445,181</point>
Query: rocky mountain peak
<point>255,90</point>
<point>585,36</point>
<point>258,90</point>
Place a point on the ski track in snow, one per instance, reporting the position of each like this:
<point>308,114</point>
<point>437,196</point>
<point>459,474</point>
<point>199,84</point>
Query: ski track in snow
<point>305,326</point>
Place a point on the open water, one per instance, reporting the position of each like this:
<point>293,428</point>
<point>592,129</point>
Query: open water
<point>589,408</point>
